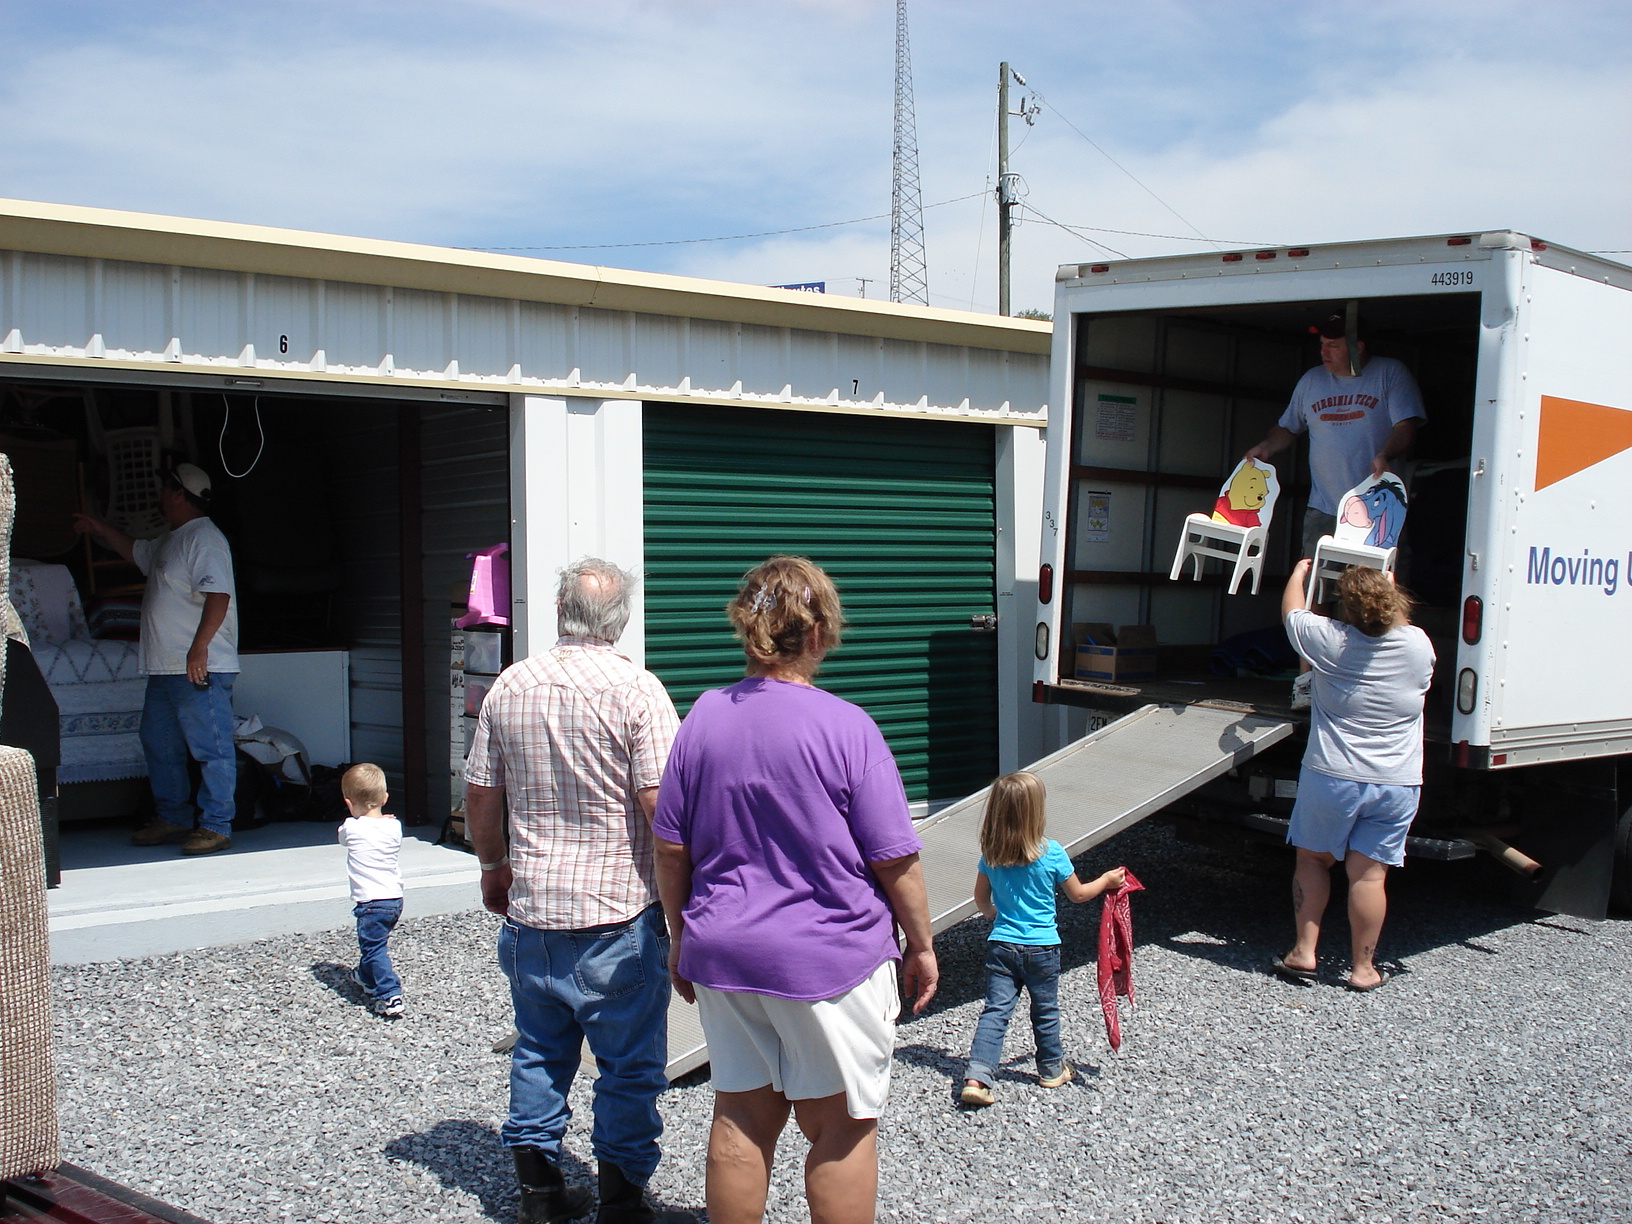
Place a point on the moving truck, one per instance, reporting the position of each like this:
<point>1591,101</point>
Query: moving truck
<point>1518,542</point>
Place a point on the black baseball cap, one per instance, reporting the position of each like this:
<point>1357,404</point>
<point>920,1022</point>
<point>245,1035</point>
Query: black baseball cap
<point>1336,327</point>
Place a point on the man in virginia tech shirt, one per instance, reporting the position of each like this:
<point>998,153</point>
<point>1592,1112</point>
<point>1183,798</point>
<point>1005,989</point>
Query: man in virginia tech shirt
<point>1359,419</point>
<point>189,653</point>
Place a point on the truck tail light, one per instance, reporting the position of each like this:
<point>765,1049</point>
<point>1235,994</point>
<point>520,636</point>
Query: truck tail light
<point>1045,583</point>
<point>1467,688</point>
<point>1265,255</point>
<point>1232,257</point>
<point>1459,242</point>
<point>1473,619</point>
<point>1299,253</point>
<point>1042,640</point>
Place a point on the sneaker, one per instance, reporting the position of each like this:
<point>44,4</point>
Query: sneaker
<point>977,1094</point>
<point>1064,1076</point>
<point>390,1008</point>
<point>356,979</point>
<point>156,833</point>
<point>203,841</point>
<point>1302,690</point>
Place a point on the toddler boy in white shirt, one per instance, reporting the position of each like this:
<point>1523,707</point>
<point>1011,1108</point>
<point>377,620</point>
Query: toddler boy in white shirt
<point>372,840</point>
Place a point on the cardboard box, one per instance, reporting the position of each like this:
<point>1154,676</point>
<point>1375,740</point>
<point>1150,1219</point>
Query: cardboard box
<point>1115,655</point>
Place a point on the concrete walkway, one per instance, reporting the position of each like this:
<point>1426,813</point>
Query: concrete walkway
<point>118,901</point>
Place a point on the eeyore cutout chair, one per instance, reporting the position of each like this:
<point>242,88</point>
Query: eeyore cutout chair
<point>1238,527</point>
<point>1369,519</point>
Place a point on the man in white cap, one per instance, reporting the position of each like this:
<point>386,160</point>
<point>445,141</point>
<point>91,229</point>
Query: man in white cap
<point>189,653</point>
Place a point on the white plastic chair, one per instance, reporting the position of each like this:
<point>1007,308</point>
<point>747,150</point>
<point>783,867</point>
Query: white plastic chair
<point>1237,529</point>
<point>1369,519</point>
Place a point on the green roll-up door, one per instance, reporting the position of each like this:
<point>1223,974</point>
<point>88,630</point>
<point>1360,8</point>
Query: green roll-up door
<point>901,513</point>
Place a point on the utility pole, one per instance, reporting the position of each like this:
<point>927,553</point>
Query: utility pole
<point>1005,192</point>
<point>1008,184</point>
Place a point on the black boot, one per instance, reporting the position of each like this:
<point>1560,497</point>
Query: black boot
<point>623,1202</point>
<point>545,1196</point>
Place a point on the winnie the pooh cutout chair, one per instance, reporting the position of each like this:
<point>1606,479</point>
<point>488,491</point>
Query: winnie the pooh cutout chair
<point>1237,529</point>
<point>1369,519</point>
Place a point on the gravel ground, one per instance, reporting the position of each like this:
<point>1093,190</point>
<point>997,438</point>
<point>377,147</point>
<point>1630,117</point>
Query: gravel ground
<point>1489,1081</point>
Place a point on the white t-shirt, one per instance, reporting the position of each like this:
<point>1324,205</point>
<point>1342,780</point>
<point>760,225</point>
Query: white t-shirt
<point>1366,716</point>
<point>182,567</point>
<point>372,843</point>
<point>1348,420</point>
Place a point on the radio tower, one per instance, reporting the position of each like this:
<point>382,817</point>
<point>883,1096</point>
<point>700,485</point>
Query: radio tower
<point>909,280</point>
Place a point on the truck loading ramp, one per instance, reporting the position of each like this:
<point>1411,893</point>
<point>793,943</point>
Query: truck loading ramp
<point>1097,786</point>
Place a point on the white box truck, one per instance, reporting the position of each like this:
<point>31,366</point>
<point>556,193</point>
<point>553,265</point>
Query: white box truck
<point>1518,543</point>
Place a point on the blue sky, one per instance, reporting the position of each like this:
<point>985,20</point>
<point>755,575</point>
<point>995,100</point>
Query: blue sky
<point>535,124</point>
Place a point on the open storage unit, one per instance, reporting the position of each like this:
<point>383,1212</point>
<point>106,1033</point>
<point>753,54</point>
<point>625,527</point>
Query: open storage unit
<point>340,513</point>
<point>373,412</point>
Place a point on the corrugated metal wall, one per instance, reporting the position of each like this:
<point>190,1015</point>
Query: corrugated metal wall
<point>362,443</point>
<point>232,323</point>
<point>464,495</point>
<point>465,499</point>
<point>901,514</point>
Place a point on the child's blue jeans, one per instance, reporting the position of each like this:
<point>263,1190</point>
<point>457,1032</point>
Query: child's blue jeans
<point>375,920</point>
<point>1008,968</point>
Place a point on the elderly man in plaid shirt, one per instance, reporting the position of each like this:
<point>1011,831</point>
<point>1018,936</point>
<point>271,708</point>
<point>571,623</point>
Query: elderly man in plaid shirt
<point>576,740</point>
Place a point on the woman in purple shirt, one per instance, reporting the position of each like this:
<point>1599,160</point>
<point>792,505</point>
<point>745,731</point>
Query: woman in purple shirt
<point>786,859</point>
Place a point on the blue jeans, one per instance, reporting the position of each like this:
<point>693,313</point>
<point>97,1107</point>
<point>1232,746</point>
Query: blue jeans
<point>177,721</point>
<point>375,922</point>
<point>1008,968</point>
<point>607,984</point>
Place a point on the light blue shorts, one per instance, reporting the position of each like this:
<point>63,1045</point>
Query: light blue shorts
<point>1334,816</point>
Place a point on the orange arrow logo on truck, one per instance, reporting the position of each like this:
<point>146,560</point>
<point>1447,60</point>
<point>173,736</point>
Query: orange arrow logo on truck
<point>1574,435</point>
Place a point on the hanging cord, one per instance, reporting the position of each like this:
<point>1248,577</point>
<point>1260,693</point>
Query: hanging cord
<point>221,442</point>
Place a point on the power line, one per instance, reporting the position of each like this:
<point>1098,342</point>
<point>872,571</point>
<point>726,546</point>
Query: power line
<point>1100,229</point>
<point>1039,97</point>
<point>800,229</point>
<point>1042,216</point>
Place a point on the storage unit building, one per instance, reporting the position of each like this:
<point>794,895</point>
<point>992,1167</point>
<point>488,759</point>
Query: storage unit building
<point>374,411</point>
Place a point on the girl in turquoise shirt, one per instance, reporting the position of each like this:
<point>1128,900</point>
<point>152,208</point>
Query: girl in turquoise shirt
<point>1019,871</point>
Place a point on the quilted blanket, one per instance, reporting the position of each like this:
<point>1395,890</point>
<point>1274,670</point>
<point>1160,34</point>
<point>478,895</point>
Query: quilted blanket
<point>98,685</point>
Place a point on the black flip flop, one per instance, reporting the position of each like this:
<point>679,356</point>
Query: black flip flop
<point>1285,971</point>
<point>1383,980</point>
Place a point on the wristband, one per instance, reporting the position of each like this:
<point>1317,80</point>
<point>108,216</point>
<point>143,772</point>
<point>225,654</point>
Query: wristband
<point>503,862</point>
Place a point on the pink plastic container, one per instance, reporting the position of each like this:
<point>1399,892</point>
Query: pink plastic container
<point>489,601</point>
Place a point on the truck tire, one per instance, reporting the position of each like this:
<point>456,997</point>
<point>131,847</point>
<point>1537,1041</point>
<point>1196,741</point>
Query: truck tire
<point>1620,889</point>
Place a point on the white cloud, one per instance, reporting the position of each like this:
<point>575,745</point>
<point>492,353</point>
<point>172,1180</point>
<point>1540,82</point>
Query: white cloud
<point>517,123</point>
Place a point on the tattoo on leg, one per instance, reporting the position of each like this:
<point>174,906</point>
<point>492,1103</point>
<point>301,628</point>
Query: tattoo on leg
<point>1297,896</point>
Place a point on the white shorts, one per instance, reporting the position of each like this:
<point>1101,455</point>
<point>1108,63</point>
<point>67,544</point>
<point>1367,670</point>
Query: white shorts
<point>806,1050</point>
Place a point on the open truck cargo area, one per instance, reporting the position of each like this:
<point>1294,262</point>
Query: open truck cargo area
<point>1166,371</point>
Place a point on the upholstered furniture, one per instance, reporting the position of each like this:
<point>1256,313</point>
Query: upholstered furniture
<point>97,683</point>
<point>29,1137</point>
